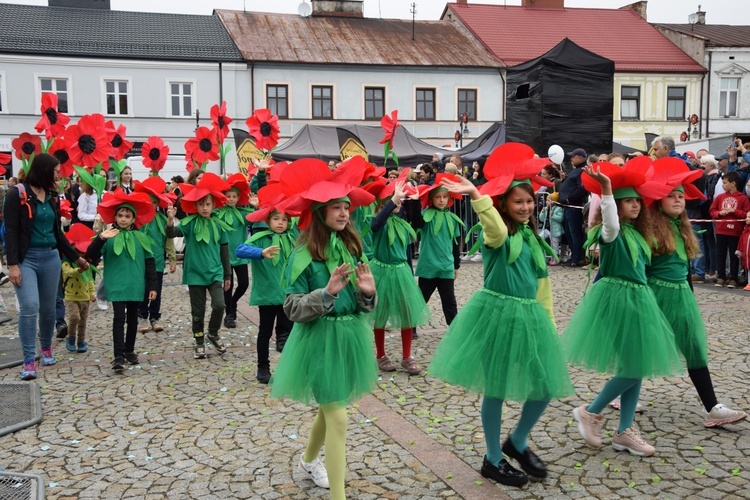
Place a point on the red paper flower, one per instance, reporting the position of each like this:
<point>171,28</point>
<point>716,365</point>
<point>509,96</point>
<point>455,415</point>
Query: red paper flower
<point>5,159</point>
<point>144,209</point>
<point>116,137</point>
<point>52,122</point>
<point>66,210</point>
<point>154,186</point>
<point>154,153</point>
<point>389,124</point>
<point>203,146</point>
<point>80,236</point>
<point>264,127</point>
<point>220,121</point>
<point>26,145</point>
<point>86,141</point>
<point>57,149</point>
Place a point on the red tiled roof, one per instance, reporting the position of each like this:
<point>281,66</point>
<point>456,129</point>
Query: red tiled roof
<point>517,34</point>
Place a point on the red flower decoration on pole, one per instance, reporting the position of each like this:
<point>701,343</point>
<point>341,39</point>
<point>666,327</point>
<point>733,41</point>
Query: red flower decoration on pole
<point>86,141</point>
<point>57,149</point>
<point>116,137</point>
<point>264,127</point>
<point>52,122</point>
<point>154,153</point>
<point>390,125</point>
<point>203,147</point>
<point>220,121</point>
<point>26,146</point>
<point>5,159</point>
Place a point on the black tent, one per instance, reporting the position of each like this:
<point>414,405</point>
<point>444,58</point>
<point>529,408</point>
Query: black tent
<point>563,97</point>
<point>484,145</point>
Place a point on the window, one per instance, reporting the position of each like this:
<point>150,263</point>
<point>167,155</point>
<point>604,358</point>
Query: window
<point>322,102</point>
<point>116,92</point>
<point>374,103</point>
<point>180,98</point>
<point>630,103</point>
<point>57,86</point>
<point>277,100</point>
<point>467,103</point>
<point>425,104</point>
<point>675,103</point>
<point>728,96</point>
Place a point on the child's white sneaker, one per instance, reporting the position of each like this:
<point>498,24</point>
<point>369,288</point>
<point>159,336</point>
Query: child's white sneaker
<point>317,471</point>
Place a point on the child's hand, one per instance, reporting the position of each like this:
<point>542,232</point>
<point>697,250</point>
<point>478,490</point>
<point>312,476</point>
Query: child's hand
<point>253,200</point>
<point>171,212</point>
<point>93,298</point>
<point>172,268</point>
<point>339,279</point>
<point>152,295</point>
<point>398,193</point>
<point>365,280</point>
<point>227,285</point>
<point>464,186</point>
<point>261,164</point>
<point>455,274</point>
<point>598,176</point>
<point>109,233</point>
<point>270,252</point>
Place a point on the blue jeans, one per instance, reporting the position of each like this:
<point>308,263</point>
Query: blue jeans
<point>37,297</point>
<point>573,225</point>
<point>698,263</point>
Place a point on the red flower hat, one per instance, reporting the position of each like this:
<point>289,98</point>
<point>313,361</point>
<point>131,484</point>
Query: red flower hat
<point>52,122</point>
<point>80,236</point>
<point>210,184</point>
<point>269,197</point>
<point>26,145</point>
<point>511,162</point>
<point>155,186</point>
<point>675,173</point>
<point>264,128</point>
<point>87,143</point>
<point>390,187</point>
<point>154,153</point>
<point>425,190</point>
<point>139,202</point>
<point>635,178</point>
<point>239,182</point>
<point>309,181</point>
<point>65,209</point>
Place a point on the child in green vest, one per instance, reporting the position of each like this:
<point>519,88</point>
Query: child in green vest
<point>78,286</point>
<point>206,267</point>
<point>269,252</point>
<point>129,263</point>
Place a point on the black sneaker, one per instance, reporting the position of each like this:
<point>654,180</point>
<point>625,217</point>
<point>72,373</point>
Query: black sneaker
<point>414,335</point>
<point>216,342</point>
<point>131,358</point>
<point>118,363</point>
<point>281,342</point>
<point>3,278</point>
<point>530,463</point>
<point>230,322</point>
<point>62,331</point>
<point>504,473</point>
<point>264,374</point>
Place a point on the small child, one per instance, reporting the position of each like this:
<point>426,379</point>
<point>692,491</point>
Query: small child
<point>130,266</point>
<point>206,267</point>
<point>149,312</point>
<point>553,214</point>
<point>78,285</point>
<point>269,251</point>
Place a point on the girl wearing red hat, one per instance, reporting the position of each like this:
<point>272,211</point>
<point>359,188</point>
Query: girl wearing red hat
<point>129,266</point>
<point>503,343</point>
<point>675,243</point>
<point>628,337</point>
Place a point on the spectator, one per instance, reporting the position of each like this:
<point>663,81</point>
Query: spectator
<point>713,176</point>
<point>125,181</point>
<point>603,157</point>
<point>459,163</point>
<point>616,159</point>
<point>426,174</point>
<point>694,210</point>
<point>450,168</point>
<point>392,174</point>
<point>663,146</point>
<point>737,156</point>
<point>729,206</point>
<point>574,194</point>
<point>87,202</point>
<point>437,161</point>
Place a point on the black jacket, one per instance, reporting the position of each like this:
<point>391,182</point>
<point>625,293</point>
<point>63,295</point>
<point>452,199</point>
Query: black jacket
<point>18,226</point>
<point>572,191</point>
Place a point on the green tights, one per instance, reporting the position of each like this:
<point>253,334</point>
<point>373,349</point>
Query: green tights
<point>329,427</point>
<point>628,389</point>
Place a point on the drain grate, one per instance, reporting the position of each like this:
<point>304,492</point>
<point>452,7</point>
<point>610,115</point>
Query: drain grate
<point>10,352</point>
<point>21,408</point>
<point>21,486</point>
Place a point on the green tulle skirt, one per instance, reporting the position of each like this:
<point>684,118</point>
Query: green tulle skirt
<point>400,302</point>
<point>503,347</point>
<point>329,359</point>
<point>678,304</point>
<point>619,329</point>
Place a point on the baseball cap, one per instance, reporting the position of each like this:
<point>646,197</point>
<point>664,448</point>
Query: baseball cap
<point>578,152</point>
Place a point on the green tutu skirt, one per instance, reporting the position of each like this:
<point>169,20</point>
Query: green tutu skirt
<point>678,304</point>
<point>329,360</point>
<point>503,347</point>
<point>619,329</point>
<point>400,302</point>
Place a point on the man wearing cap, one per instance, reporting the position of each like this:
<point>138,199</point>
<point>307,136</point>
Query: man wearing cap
<point>573,193</point>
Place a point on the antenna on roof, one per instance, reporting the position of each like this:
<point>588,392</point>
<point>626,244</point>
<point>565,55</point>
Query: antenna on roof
<point>304,9</point>
<point>413,18</point>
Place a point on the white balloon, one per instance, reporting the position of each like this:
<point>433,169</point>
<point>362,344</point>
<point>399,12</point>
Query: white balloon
<point>556,154</point>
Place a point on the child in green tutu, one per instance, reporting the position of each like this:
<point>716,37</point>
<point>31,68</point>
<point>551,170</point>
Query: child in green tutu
<point>628,337</point>
<point>675,243</point>
<point>503,342</point>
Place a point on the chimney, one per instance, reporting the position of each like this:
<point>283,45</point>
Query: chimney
<point>640,8</point>
<point>463,2</point>
<point>81,4</point>
<point>337,8</point>
<point>697,18</point>
<point>543,4</point>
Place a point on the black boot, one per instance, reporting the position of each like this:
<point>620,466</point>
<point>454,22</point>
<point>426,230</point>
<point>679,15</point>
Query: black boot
<point>530,463</point>
<point>230,321</point>
<point>504,473</point>
<point>281,341</point>
<point>264,374</point>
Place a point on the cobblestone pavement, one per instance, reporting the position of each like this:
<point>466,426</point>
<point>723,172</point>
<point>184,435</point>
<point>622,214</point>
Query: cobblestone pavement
<point>206,429</point>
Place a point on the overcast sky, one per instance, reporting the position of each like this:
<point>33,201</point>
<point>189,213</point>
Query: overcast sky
<point>659,11</point>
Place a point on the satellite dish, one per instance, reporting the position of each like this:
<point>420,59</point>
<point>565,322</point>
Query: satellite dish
<point>304,9</point>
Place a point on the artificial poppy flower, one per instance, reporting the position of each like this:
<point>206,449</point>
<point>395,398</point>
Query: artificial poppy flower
<point>26,145</point>
<point>57,149</point>
<point>66,210</point>
<point>390,125</point>
<point>116,137</point>
<point>239,182</point>
<point>155,186</point>
<point>5,159</point>
<point>86,141</point>
<point>154,153</point>
<point>264,127</point>
<point>80,236</point>
<point>510,162</point>
<point>52,122</point>
<point>210,184</point>
<point>220,121</point>
<point>203,147</point>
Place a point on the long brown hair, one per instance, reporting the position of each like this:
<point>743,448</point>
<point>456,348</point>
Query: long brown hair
<point>317,235</point>
<point>511,224</point>
<point>663,242</point>
<point>642,223</point>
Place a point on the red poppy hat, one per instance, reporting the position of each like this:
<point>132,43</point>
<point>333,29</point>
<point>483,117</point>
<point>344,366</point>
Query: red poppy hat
<point>424,191</point>
<point>357,166</point>
<point>65,209</point>
<point>80,236</point>
<point>140,203</point>
<point>510,164</point>
<point>376,187</point>
<point>210,184</point>
<point>154,186</point>
<point>633,180</point>
<point>389,189</point>
<point>676,174</point>
<point>309,184</point>
<point>238,182</point>
<point>269,197</point>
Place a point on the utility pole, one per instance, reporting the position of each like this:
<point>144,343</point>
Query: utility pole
<point>413,19</point>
